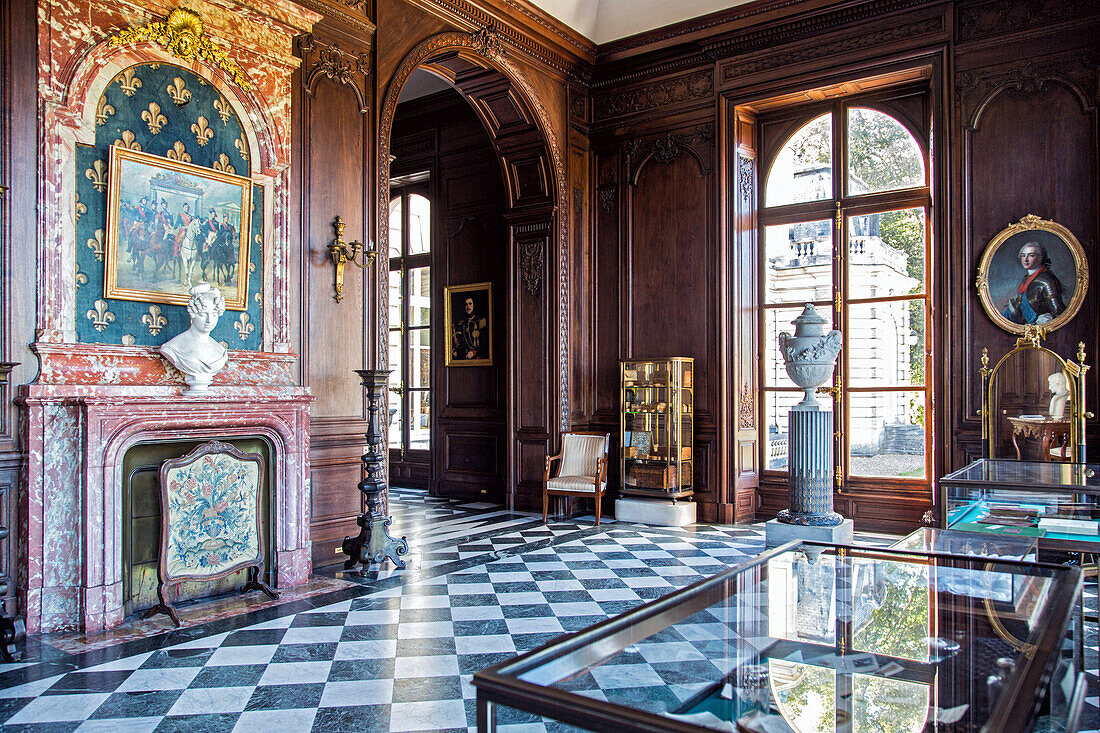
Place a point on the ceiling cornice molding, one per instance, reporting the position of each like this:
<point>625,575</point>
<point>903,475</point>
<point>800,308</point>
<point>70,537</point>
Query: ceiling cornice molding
<point>518,31</point>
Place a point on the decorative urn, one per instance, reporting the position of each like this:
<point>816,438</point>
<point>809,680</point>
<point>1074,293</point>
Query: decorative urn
<point>810,355</point>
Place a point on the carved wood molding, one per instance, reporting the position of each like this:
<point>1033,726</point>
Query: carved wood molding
<point>324,61</point>
<point>421,54</point>
<point>974,91</point>
<point>745,177</point>
<point>746,412</point>
<point>667,148</point>
<point>824,50</point>
<point>803,27</point>
<point>677,90</point>
<point>342,10</point>
<point>607,195</point>
<point>467,14</point>
<point>1005,16</point>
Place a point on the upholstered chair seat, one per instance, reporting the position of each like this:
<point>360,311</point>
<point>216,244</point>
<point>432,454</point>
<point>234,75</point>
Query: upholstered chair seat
<point>582,472</point>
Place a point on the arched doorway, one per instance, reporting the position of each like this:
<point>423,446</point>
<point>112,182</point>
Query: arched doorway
<point>533,173</point>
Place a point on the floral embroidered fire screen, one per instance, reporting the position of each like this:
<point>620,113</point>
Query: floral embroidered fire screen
<point>210,518</point>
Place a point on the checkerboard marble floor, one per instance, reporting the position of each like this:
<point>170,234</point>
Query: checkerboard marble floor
<point>397,650</point>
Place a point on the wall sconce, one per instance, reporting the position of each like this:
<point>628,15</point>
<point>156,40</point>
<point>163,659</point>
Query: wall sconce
<point>343,252</point>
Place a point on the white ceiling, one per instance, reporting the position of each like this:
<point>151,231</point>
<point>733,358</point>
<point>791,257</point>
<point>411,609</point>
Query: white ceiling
<point>601,21</point>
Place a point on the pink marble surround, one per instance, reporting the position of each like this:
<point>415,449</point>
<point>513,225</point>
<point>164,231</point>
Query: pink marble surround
<point>90,403</point>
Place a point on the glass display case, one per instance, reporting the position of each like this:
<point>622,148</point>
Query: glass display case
<point>655,437</point>
<point>816,638</point>
<point>1057,503</point>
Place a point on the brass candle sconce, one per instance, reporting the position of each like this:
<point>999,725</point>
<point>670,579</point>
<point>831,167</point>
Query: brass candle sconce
<point>344,252</point>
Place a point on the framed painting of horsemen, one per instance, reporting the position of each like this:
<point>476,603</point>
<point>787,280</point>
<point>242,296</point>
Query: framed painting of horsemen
<point>468,316</point>
<point>172,225</point>
<point>1033,273</point>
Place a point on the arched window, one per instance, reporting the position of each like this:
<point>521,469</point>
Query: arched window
<point>410,316</point>
<point>844,225</point>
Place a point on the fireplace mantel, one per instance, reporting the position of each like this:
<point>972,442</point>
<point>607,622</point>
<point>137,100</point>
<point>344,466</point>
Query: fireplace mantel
<point>76,442</point>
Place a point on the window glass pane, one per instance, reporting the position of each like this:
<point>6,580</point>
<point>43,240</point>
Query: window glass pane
<point>420,296</point>
<point>886,434</point>
<point>798,265</point>
<point>420,224</point>
<point>776,321</point>
<point>805,696</point>
<point>803,169</point>
<point>886,704</point>
<point>882,155</point>
<point>419,357</point>
<point>886,254</point>
<point>395,226</point>
<point>776,407</point>
<point>420,421</point>
<point>887,344</point>
<point>394,380</point>
<point>395,303</point>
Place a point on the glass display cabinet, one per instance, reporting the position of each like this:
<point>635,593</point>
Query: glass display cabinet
<point>1057,503</point>
<point>816,638</point>
<point>655,437</point>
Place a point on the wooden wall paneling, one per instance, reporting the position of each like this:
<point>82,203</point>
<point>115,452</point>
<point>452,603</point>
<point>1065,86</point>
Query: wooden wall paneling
<point>582,308</point>
<point>1043,110</point>
<point>334,129</point>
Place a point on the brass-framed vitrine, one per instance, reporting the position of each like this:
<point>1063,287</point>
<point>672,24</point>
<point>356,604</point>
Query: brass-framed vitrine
<point>657,401</point>
<point>1034,396</point>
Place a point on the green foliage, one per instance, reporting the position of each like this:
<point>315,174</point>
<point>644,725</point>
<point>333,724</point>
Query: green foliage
<point>899,626</point>
<point>881,152</point>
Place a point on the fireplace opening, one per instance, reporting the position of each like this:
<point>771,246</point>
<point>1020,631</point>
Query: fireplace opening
<point>142,516</point>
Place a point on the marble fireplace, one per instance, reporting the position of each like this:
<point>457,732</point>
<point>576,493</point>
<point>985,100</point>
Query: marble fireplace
<point>102,390</point>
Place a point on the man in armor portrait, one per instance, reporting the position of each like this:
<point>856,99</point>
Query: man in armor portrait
<point>1038,297</point>
<point>467,342</point>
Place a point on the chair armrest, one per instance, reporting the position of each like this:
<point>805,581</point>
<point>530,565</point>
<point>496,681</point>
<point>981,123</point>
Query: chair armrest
<point>549,460</point>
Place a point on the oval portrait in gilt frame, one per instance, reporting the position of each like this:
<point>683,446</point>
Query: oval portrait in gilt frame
<point>1033,273</point>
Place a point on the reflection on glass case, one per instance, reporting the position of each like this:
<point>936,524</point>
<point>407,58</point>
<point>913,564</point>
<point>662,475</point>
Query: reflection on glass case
<point>814,638</point>
<point>656,427</point>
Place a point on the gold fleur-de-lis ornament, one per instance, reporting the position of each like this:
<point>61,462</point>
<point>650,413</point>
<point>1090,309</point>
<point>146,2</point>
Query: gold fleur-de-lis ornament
<point>202,130</point>
<point>97,174</point>
<point>241,144</point>
<point>154,320</point>
<point>96,244</point>
<point>221,104</point>
<point>128,141</point>
<point>243,327</point>
<point>129,83</point>
<point>154,118</point>
<point>102,110</point>
<point>100,316</point>
<point>222,164</point>
<point>180,95</point>
<point>80,208</point>
<point>128,340</point>
<point>179,152</point>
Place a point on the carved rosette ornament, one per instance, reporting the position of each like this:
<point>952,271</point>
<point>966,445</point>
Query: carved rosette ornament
<point>182,36</point>
<point>487,42</point>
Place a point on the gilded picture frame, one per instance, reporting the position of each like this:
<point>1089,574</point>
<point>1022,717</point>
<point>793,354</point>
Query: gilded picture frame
<point>171,225</point>
<point>468,317</point>
<point>1033,273</point>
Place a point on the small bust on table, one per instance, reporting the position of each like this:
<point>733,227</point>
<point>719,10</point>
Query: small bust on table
<point>1059,387</point>
<point>194,352</point>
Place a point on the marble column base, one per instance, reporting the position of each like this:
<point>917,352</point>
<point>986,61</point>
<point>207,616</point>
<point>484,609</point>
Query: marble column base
<point>777,533</point>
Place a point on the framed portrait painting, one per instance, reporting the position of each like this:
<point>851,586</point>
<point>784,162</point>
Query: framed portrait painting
<point>171,225</point>
<point>1033,273</point>
<point>468,316</point>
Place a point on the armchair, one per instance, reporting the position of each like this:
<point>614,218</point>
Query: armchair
<point>582,471</point>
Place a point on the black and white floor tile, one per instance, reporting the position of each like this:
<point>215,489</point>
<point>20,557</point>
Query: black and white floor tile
<point>397,651</point>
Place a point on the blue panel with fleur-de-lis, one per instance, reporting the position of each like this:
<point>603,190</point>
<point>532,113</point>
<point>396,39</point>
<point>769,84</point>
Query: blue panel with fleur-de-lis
<point>164,110</point>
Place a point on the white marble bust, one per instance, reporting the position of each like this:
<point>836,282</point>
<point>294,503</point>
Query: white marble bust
<point>1059,386</point>
<point>194,352</point>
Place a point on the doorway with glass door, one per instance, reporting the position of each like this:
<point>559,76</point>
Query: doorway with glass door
<point>410,318</point>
